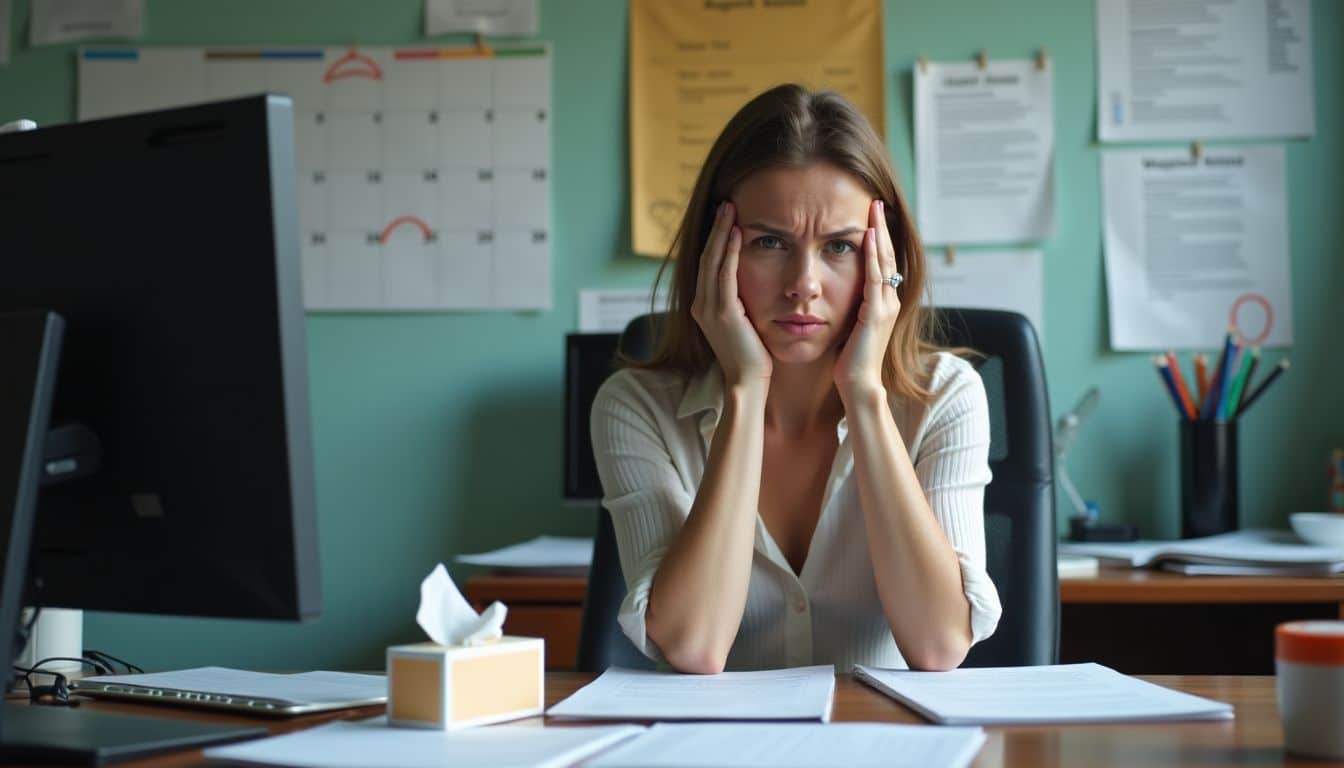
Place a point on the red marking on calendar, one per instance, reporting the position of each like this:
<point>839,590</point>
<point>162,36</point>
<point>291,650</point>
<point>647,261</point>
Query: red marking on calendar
<point>353,64</point>
<point>414,221</point>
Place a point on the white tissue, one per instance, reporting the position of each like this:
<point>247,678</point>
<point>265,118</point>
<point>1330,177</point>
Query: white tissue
<point>448,618</point>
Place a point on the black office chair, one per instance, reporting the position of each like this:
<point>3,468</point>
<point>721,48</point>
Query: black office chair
<point>1019,502</point>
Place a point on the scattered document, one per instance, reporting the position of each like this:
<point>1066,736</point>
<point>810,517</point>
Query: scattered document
<point>293,689</point>
<point>65,21</point>
<point>1063,693</point>
<point>1253,547</point>
<point>1204,69</point>
<point>544,553</point>
<point>609,310</point>
<point>984,152</point>
<point>423,173</point>
<point>766,745</point>
<point>690,71</point>
<point>1231,569</point>
<point>1195,243</point>
<point>488,17</point>
<point>801,693</point>
<point>1012,280</point>
<point>362,743</point>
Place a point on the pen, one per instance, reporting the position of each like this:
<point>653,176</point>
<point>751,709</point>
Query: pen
<point>1233,401</point>
<point>1260,390</point>
<point>1202,376</point>
<point>1164,371</point>
<point>1188,405</point>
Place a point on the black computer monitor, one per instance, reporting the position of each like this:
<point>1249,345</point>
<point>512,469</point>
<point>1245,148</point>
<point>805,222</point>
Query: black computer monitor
<point>30,347</point>
<point>589,359</point>
<point>177,470</point>
<point>179,478</point>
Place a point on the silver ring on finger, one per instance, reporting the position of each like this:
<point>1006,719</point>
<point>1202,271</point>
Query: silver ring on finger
<point>895,280</point>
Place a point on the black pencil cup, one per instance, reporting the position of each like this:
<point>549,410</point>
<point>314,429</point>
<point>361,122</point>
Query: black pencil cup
<point>1208,478</point>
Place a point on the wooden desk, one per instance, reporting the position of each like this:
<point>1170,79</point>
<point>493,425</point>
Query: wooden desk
<point>1253,738</point>
<point>1140,622</point>
<point>1154,622</point>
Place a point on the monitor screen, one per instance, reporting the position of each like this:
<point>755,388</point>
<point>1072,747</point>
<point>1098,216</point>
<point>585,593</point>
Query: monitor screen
<point>589,359</point>
<point>169,243</point>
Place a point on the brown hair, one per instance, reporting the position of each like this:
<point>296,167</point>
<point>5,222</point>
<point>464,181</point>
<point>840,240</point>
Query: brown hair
<point>791,126</point>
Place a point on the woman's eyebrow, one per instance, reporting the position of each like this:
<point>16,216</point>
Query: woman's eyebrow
<point>777,232</point>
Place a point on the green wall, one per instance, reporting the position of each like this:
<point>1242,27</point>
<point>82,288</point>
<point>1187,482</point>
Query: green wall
<point>441,434</point>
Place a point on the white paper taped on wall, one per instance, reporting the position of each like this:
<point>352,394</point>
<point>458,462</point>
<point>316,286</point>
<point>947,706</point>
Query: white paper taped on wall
<point>488,17</point>
<point>1012,280</point>
<point>66,21</point>
<point>424,174</point>
<point>1196,242</point>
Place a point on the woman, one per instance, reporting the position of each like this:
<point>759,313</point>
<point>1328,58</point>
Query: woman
<point>797,476</point>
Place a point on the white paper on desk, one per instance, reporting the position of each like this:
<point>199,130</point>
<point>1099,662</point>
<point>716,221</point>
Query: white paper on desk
<point>1253,546</point>
<point>357,744</point>
<point>984,152</point>
<point>765,745</point>
<point>1194,244</point>
<point>489,17</point>
<point>801,693</point>
<point>299,688</point>
<point>609,310</point>
<point>1231,569</point>
<point>1061,693</point>
<point>542,553</point>
<point>64,21</point>
<point>992,279</point>
<point>1202,70</point>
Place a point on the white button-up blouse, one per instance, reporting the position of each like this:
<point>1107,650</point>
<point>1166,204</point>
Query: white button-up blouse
<point>651,434</point>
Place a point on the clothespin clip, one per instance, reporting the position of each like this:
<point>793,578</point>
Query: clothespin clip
<point>982,58</point>
<point>950,253</point>
<point>1041,57</point>
<point>1196,151</point>
<point>923,64</point>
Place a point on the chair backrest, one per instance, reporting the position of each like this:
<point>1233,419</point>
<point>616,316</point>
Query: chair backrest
<point>1019,501</point>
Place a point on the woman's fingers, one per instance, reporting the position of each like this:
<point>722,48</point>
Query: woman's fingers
<point>728,272</point>
<point>886,250</point>
<point>712,257</point>
<point>872,265</point>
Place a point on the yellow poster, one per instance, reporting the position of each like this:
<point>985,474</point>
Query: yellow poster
<point>694,63</point>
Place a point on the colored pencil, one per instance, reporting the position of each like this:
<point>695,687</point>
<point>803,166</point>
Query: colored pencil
<point>1218,389</point>
<point>1174,366</point>
<point>1260,390</point>
<point>1164,373</point>
<point>1248,358</point>
<point>1246,387</point>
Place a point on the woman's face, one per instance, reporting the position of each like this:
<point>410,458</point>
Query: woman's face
<point>800,272</point>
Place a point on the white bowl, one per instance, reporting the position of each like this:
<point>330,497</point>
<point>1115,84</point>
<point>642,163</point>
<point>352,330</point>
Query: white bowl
<point>1323,528</point>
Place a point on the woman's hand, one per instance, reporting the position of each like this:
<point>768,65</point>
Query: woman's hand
<point>718,310</point>
<point>859,366</point>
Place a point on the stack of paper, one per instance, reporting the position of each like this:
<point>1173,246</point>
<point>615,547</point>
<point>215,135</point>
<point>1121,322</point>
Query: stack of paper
<point>351,744</point>
<point>1250,552</point>
<point>802,693</point>
<point>1064,693</point>
<point>550,555</point>
<point>765,745</point>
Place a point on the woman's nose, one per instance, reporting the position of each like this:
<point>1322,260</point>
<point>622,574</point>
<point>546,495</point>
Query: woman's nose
<point>803,283</point>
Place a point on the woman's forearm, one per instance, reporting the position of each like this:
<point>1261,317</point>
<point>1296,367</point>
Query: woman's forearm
<point>916,570</point>
<point>700,590</point>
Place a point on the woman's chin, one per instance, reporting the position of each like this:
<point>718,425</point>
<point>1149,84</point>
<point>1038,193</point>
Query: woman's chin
<point>798,354</point>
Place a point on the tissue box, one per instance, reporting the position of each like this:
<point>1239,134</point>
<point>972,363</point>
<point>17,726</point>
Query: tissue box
<point>458,686</point>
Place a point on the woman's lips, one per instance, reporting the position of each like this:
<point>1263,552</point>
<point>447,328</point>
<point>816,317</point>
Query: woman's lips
<point>800,327</point>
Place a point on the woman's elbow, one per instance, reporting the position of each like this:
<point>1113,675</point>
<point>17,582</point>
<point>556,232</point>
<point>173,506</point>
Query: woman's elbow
<point>940,654</point>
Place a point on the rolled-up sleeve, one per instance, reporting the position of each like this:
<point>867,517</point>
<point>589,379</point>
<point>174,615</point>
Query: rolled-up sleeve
<point>953,469</point>
<point>642,491</point>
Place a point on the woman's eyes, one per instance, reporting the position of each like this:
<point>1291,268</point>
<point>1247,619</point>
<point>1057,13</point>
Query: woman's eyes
<point>833,248</point>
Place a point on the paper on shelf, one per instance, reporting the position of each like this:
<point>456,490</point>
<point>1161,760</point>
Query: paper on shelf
<point>1248,547</point>
<point>801,693</point>
<point>543,552</point>
<point>449,619</point>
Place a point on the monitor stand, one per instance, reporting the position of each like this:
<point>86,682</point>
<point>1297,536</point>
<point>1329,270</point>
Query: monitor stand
<point>49,734</point>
